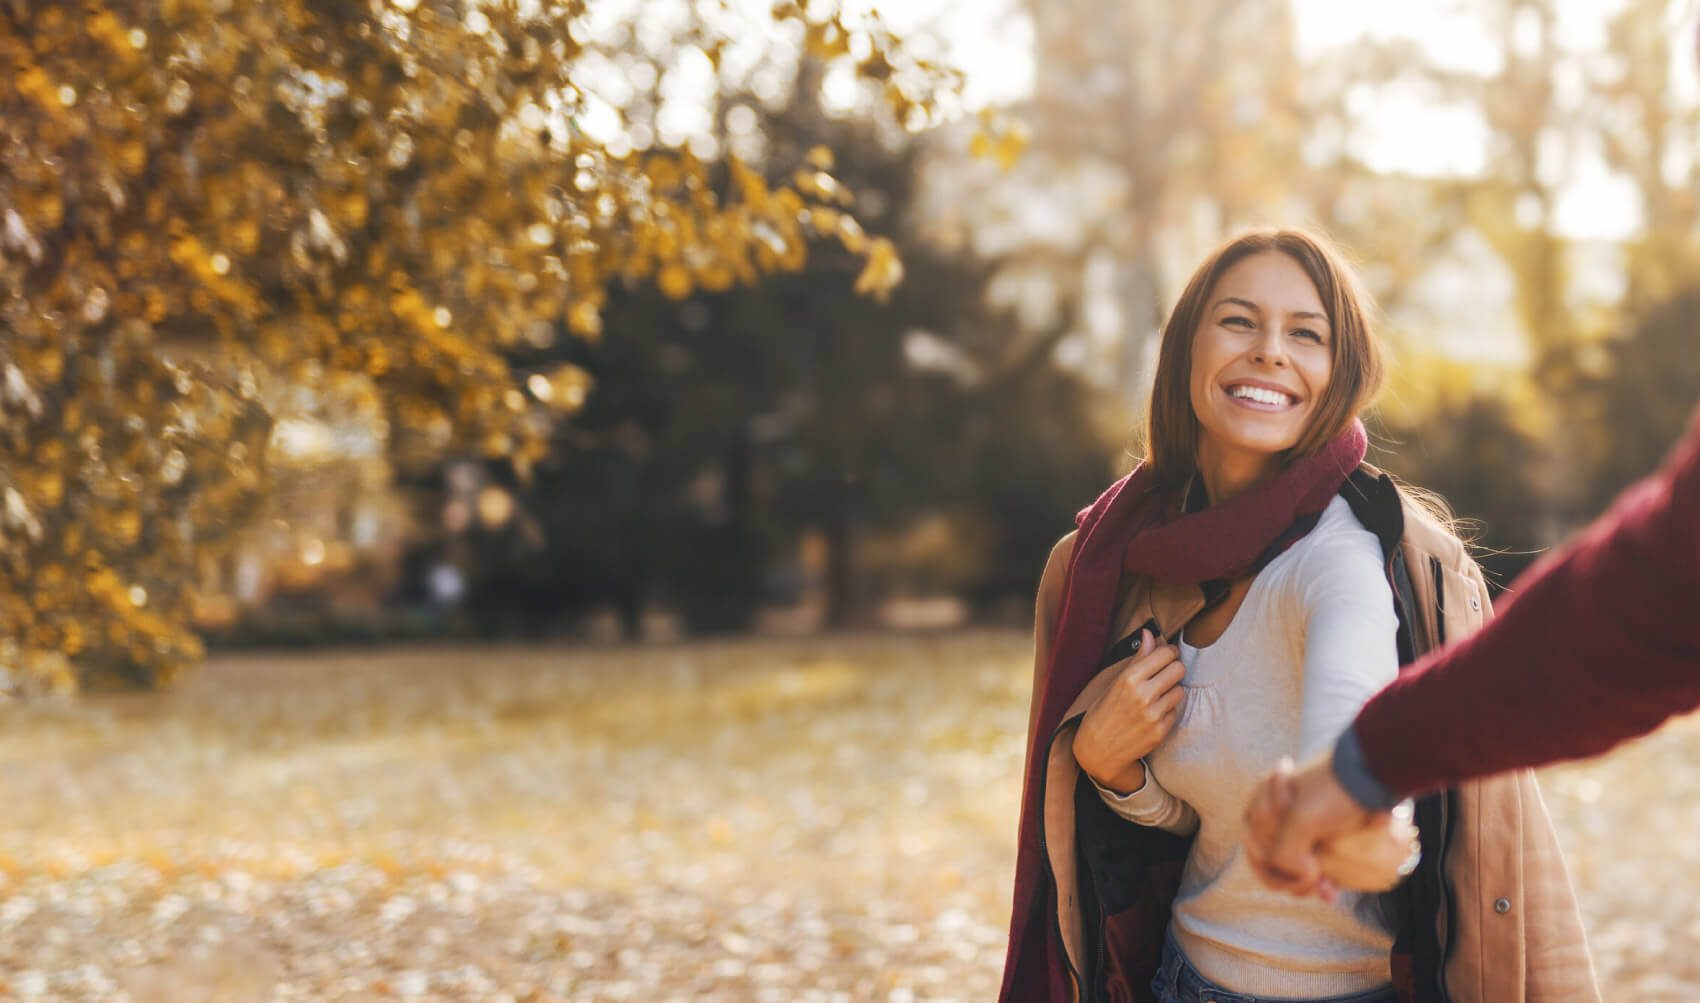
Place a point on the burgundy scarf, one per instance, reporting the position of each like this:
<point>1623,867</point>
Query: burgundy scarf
<point>1132,528</point>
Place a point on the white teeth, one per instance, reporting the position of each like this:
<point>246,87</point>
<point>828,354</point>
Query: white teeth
<point>1260,395</point>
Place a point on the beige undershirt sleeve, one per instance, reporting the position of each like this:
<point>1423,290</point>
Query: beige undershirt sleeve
<point>1150,805</point>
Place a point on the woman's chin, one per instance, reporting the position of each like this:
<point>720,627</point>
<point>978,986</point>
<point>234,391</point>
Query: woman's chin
<point>1259,443</point>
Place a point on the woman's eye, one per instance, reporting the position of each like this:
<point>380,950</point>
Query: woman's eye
<point>1308,334</point>
<point>1237,321</point>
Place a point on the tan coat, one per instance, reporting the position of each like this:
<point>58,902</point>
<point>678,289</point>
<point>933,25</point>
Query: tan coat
<point>1518,935</point>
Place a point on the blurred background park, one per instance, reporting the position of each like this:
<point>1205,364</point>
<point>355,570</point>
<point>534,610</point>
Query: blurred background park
<point>542,498</point>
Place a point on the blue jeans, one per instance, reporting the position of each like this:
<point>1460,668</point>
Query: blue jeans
<point>1177,981</point>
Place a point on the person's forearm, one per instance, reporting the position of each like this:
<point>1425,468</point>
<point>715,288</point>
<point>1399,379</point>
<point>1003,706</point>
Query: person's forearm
<point>1151,805</point>
<point>1129,780</point>
<point>1600,642</point>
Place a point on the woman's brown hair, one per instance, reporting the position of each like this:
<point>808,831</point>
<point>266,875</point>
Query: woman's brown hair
<point>1171,427</point>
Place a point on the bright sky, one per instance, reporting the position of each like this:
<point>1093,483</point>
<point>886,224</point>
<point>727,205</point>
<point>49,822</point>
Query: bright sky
<point>1404,131</point>
<point>1401,130</point>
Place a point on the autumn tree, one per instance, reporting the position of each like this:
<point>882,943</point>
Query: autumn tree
<point>1645,396</point>
<point>918,439</point>
<point>203,207</point>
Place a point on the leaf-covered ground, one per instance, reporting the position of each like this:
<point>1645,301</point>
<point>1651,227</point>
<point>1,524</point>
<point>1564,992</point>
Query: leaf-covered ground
<point>752,820</point>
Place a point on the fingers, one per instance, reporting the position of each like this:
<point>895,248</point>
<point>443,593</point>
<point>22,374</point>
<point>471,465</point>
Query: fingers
<point>1155,670</point>
<point>1266,818</point>
<point>1282,781</point>
<point>1165,680</point>
<point>1291,852</point>
<point>1166,723</point>
<point>1152,656</point>
<point>1373,857</point>
<point>1169,702</point>
<point>1279,880</point>
<point>1263,815</point>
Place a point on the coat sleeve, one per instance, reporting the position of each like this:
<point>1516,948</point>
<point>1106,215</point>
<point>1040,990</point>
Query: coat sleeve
<point>1045,621</point>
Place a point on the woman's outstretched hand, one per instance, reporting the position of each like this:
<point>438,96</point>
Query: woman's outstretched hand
<point>1133,716</point>
<point>1373,858</point>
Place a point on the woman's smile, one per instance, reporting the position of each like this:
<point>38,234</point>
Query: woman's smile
<point>1261,397</point>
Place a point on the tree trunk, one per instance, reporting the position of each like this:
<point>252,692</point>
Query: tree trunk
<point>840,567</point>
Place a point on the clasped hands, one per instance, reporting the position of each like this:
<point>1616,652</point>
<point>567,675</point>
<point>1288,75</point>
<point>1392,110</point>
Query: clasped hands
<point>1304,834</point>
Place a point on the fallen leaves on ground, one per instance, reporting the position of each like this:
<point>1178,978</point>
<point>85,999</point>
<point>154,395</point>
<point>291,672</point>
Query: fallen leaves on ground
<point>830,819</point>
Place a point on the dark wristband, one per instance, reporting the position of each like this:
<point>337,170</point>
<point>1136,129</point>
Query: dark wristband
<point>1353,773</point>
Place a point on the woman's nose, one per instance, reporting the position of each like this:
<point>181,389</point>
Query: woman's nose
<point>1270,352</point>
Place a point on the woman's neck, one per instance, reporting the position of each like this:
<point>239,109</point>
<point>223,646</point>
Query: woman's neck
<point>1225,477</point>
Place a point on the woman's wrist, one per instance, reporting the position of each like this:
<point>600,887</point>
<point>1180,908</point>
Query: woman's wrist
<point>1124,782</point>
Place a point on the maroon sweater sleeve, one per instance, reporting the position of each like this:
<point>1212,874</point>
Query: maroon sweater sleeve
<point>1598,643</point>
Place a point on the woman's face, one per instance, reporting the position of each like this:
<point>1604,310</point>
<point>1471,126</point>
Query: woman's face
<point>1261,359</point>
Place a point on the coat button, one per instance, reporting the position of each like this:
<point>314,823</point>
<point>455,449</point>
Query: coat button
<point>1502,906</point>
<point>1475,605</point>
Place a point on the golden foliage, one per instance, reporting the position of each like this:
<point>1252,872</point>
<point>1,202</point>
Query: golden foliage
<point>196,200</point>
<point>1000,137</point>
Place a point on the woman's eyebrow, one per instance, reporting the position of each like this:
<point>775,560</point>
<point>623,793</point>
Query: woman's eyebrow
<point>1248,304</point>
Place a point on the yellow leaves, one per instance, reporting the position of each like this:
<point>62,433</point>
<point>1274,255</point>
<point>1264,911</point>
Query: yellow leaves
<point>103,583</point>
<point>48,208</point>
<point>377,361</point>
<point>563,388</point>
<point>675,281</point>
<point>408,307</point>
<point>245,235</point>
<point>637,267</point>
<point>46,363</point>
<point>876,67</point>
<point>822,186</point>
<point>127,526</point>
<point>661,240</point>
<point>351,209</point>
<point>132,157</point>
<point>1002,140</point>
<point>211,272</point>
<point>826,40</point>
<point>275,344</point>
<point>49,489</point>
<point>71,640</point>
<point>584,318</point>
<point>356,296</point>
<point>103,26</point>
<point>34,84</point>
<point>751,185</point>
<point>663,171</point>
<point>155,307</point>
<point>311,205</point>
<point>883,271</point>
<point>717,277</point>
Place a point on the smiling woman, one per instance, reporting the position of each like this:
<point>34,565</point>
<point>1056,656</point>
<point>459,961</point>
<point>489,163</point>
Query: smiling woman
<point>1278,313</point>
<point>1234,600</point>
